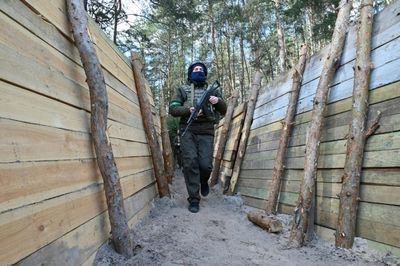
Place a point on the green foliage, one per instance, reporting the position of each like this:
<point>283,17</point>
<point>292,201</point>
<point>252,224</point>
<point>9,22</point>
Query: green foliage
<point>233,37</point>
<point>173,126</point>
<point>315,18</point>
<point>104,13</point>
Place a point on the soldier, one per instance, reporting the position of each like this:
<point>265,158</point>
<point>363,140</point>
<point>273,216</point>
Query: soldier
<point>197,143</point>
<point>177,149</point>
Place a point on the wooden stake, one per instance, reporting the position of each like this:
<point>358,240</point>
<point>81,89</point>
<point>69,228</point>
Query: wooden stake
<point>286,130</point>
<point>245,131</point>
<point>145,109</point>
<point>167,150</point>
<point>120,232</point>
<point>349,195</point>
<point>304,210</point>
<point>223,138</point>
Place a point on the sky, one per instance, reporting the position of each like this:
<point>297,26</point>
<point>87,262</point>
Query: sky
<point>133,7</point>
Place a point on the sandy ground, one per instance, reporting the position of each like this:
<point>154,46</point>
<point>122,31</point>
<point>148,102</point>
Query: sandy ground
<point>221,234</point>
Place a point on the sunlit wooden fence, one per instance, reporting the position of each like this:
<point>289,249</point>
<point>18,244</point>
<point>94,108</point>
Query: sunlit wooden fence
<point>52,204</point>
<point>379,211</point>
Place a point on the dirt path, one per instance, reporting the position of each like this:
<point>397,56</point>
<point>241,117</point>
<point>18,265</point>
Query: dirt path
<point>220,234</point>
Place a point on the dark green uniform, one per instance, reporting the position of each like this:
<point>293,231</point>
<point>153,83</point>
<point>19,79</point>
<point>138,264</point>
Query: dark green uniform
<point>198,142</point>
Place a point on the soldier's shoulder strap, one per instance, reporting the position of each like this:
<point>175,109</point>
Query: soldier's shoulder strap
<point>184,90</point>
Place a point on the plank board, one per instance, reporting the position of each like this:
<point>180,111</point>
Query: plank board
<point>376,222</point>
<point>370,176</point>
<point>323,231</point>
<point>21,142</point>
<point>55,13</point>
<point>384,93</point>
<point>385,29</point>
<point>33,227</point>
<point>32,182</point>
<point>373,159</point>
<point>368,192</point>
<point>385,100</point>
<point>384,72</point>
<point>54,200</point>
<point>45,49</point>
<point>16,103</point>
<point>385,141</point>
<point>381,76</point>
<point>328,234</point>
<point>50,35</point>
<point>109,56</point>
<point>77,246</point>
<point>55,85</point>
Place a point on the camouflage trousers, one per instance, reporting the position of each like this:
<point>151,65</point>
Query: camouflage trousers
<point>197,156</point>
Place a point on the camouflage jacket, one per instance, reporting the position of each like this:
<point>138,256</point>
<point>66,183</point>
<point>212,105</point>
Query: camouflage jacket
<point>185,97</point>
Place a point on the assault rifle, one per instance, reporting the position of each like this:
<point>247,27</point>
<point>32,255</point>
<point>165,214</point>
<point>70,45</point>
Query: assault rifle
<point>201,105</point>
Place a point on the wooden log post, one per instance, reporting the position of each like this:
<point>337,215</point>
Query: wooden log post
<point>278,168</point>
<point>349,195</point>
<point>271,224</point>
<point>148,122</point>
<point>166,143</point>
<point>223,138</point>
<point>256,84</point>
<point>303,215</point>
<point>120,232</point>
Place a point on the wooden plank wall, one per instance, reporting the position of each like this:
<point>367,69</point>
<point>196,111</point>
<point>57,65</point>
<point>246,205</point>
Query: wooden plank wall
<point>232,143</point>
<point>52,204</point>
<point>379,212</point>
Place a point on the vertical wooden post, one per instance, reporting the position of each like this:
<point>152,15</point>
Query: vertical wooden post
<point>223,138</point>
<point>286,130</point>
<point>145,109</point>
<point>256,84</point>
<point>167,150</point>
<point>304,210</point>
<point>347,218</point>
<point>120,232</point>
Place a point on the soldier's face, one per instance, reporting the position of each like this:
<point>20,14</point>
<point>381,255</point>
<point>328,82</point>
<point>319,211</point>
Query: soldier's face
<point>197,69</point>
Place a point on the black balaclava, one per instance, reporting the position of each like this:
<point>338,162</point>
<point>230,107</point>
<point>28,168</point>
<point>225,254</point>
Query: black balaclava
<point>197,77</point>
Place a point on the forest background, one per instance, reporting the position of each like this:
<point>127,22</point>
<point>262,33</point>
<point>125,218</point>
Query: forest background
<point>232,37</point>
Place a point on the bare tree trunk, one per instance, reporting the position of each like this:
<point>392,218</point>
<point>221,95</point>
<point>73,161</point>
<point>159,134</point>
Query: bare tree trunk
<point>222,59</point>
<point>117,11</point>
<point>222,138</point>
<point>281,37</point>
<point>181,53</point>
<point>242,62</point>
<point>347,218</point>
<point>245,131</point>
<point>213,42</point>
<point>229,63</point>
<point>145,109</point>
<point>233,65</point>
<point>241,48</point>
<point>286,131</point>
<point>169,69</point>
<point>271,66</point>
<point>167,150</point>
<point>248,80</point>
<point>304,209</point>
<point>99,108</point>
<point>308,34</point>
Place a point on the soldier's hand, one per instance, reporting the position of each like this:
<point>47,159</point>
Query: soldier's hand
<point>213,100</point>
<point>200,112</point>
